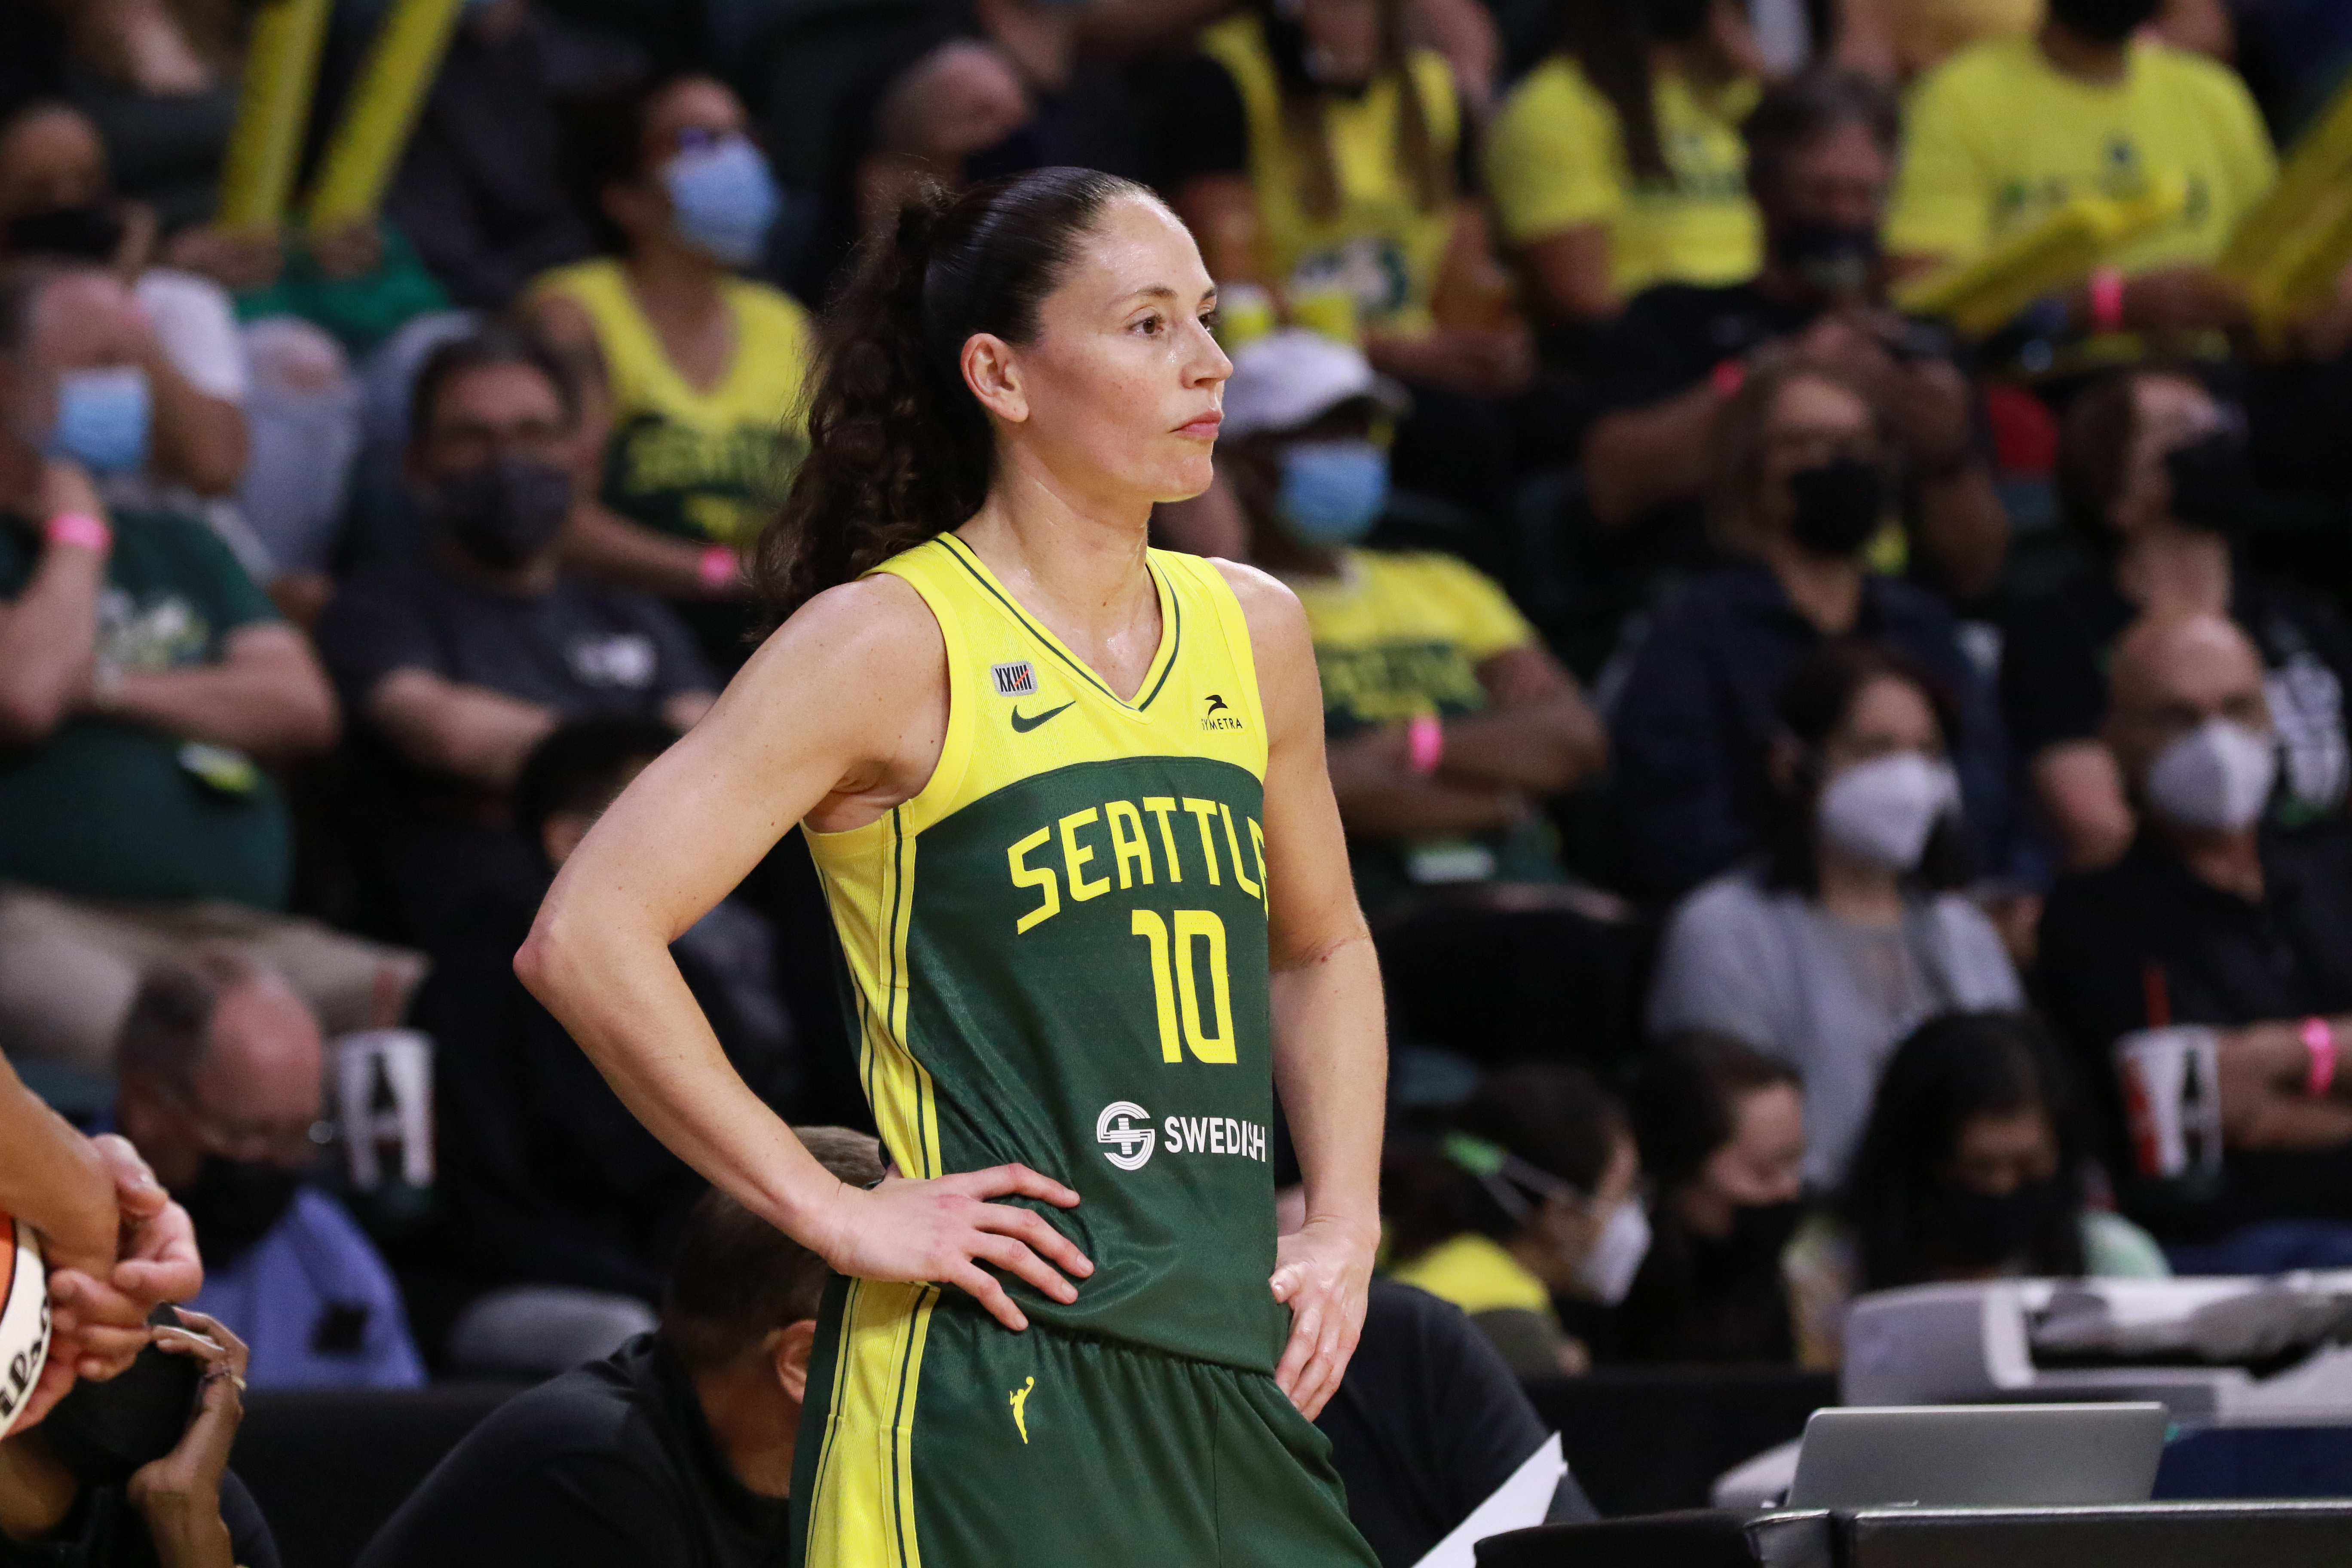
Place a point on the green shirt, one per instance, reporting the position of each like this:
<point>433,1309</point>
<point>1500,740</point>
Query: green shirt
<point>112,809</point>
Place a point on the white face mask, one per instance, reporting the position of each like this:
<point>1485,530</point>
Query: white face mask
<point>1616,1257</point>
<point>2217,777</point>
<point>1882,811</point>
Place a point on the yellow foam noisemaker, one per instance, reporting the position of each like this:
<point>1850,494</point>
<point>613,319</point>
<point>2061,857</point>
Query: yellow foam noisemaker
<point>272,108</point>
<point>367,145</point>
<point>2055,252</point>
<point>2289,250</point>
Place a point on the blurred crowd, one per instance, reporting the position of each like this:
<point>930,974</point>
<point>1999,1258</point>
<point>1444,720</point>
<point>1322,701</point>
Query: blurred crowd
<point>1803,760</point>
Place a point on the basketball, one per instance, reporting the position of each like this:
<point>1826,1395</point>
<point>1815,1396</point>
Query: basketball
<point>24,1318</point>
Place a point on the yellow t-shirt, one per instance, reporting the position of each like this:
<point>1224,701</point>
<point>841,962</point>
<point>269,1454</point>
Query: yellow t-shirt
<point>1380,247</point>
<point>1476,1273</point>
<point>700,466</point>
<point>1400,634</point>
<point>1997,136</point>
<point>1556,161</point>
<point>1928,31</point>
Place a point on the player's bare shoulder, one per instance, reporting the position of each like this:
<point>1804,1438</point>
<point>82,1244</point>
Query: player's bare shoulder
<point>1281,643</point>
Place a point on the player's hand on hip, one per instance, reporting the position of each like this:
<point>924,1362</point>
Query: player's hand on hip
<point>943,1229</point>
<point>1323,1271</point>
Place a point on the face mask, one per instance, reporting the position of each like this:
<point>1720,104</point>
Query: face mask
<point>502,513</point>
<point>1829,258</point>
<point>2209,488</point>
<point>1608,1268</point>
<point>91,232</point>
<point>2217,777</point>
<point>1839,506</point>
<point>1760,1233</point>
<point>2104,21</point>
<point>235,1202</point>
<point>1990,1229</point>
<point>1333,491</point>
<point>723,200</point>
<point>103,419</point>
<point>1882,811</point>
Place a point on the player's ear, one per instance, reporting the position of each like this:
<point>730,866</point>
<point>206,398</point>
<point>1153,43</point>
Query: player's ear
<point>791,1357</point>
<point>992,371</point>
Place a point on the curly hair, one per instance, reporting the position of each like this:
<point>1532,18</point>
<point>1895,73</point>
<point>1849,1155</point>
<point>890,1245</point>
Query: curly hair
<point>899,449</point>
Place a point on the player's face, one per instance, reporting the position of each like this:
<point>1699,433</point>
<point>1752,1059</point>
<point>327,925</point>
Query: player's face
<point>1121,389</point>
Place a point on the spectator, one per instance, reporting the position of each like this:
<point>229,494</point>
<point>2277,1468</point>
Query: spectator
<point>1532,1198</point>
<point>182,1509</point>
<point>696,373</point>
<point>1323,162</point>
<point>2153,480</point>
<point>1445,838</point>
<point>1821,152</point>
<point>223,1089</point>
<point>1847,934</point>
<point>144,678</point>
<point>680,1447</point>
<point>455,666</point>
<point>1801,488</point>
<point>1616,163</point>
<point>1721,1129</point>
<point>1972,1167</point>
<point>157,79</point>
<point>2005,132</point>
<point>545,1176</point>
<point>482,187</point>
<point>2214,917</point>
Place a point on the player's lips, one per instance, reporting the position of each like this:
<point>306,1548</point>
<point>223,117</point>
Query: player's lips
<point>1204,428</point>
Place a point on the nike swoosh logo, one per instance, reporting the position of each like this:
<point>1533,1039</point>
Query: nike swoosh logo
<point>1022,725</point>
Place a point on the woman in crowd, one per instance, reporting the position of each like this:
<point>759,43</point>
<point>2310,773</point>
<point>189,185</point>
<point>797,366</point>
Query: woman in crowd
<point>1849,933</point>
<point>1617,163</point>
<point>1323,163</point>
<point>1971,1167</point>
<point>1531,1196</point>
<point>700,370</point>
<point>1721,1128</point>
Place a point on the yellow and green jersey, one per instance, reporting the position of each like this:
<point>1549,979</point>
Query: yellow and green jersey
<point>1556,161</point>
<point>1057,951</point>
<point>1380,247</point>
<point>1997,137</point>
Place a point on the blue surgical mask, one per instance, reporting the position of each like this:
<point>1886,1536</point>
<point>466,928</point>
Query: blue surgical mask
<point>723,199</point>
<point>103,419</point>
<point>1333,491</point>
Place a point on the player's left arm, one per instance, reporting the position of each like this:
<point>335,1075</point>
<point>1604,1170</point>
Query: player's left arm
<point>1330,1051</point>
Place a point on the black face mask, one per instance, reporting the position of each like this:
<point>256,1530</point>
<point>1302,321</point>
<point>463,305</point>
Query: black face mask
<point>91,232</point>
<point>1760,1233</point>
<point>2104,21</point>
<point>1839,505</point>
<point>1988,1229</point>
<point>233,1203</point>
<point>2209,488</point>
<point>1832,259</point>
<point>101,1432</point>
<point>504,512</point>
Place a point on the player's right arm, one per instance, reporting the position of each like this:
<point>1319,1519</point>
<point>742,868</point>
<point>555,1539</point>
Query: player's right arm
<point>840,716</point>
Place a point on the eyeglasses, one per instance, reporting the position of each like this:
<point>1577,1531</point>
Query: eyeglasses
<point>258,1142</point>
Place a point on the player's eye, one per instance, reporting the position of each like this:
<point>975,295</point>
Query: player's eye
<point>1212,318</point>
<point>1150,325</point>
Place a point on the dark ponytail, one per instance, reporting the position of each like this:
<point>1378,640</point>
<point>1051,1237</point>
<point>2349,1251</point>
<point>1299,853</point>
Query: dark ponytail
<point>900,451</point>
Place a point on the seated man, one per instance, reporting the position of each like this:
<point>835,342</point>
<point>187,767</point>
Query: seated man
<point>545,1177</point>
<point>144,681</point>
<point>1822,152</point>
<point>2004,132</point>
<point>223,1089</point>
<point>2214,917</point>
<point>1800,490</point>
<point>1450,724</point>
<point>454,667</point>
<point>680,1447</point>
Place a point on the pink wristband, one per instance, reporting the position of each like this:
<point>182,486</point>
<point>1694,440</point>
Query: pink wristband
<point>1424,741</point>
<point>2319,1040</point>
<point>2106,300</point>
<point>81,530</point>
<point>1727,377</point>
<point>717,568</point>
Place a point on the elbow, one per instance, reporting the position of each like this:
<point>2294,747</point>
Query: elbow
<point>546,956</point>
<point>28,717</point>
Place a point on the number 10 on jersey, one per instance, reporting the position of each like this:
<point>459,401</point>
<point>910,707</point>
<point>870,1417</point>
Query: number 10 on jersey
<point>1176,943</point>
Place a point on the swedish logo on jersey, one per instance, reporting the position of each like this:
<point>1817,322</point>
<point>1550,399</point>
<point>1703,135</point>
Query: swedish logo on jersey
<point>1131,1143</point>
<point>1015,680</point>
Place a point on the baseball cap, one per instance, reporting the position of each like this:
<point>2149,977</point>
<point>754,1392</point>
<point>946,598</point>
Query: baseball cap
<point>1294,377</point>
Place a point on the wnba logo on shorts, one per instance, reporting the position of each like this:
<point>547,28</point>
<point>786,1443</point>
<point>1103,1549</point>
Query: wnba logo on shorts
<point>1015,679</point>
<point>1116,1126</point>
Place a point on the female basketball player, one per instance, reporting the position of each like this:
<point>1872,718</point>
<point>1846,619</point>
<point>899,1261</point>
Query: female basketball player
<point>1068,799</point>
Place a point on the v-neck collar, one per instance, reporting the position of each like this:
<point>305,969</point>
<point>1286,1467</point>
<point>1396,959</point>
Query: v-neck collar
<point>1155,675</point>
